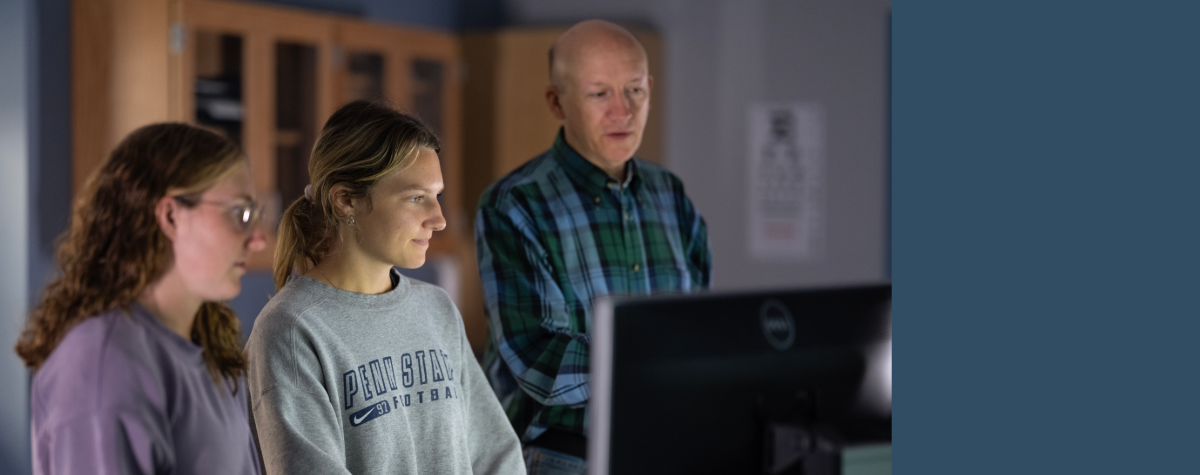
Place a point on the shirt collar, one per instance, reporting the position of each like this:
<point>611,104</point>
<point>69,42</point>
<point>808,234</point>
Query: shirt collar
<point>182,345</point>
<point>586,173</point>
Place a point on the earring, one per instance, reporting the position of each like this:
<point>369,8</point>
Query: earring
<point>350,220</point>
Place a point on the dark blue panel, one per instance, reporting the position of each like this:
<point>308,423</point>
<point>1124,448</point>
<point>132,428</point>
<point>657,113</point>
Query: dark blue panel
<point>1045,236</point>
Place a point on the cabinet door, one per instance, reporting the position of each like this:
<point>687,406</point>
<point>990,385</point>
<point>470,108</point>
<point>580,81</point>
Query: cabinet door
<point>256,74</point>
<point>417,72</point>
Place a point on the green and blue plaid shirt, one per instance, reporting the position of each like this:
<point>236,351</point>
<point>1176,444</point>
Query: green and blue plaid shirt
<point>554,235</point>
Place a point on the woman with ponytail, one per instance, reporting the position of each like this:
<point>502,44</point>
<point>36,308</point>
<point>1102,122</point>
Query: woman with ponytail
<point>355,368</point>
<point>136,357</point>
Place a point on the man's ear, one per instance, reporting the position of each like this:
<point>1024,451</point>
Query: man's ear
<point>339,195</point>
<point>552,100</point>
<point>166,212</point>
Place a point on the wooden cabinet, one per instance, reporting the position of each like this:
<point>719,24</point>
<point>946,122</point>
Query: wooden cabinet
<point>267,76</point>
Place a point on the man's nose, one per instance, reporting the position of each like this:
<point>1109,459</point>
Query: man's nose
<point>622,107</point>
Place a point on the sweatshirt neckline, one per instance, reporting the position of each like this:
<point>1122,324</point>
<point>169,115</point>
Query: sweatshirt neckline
<point>318,288</point>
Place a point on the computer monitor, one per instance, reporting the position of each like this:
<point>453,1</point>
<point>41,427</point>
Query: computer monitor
<point>780,382</point>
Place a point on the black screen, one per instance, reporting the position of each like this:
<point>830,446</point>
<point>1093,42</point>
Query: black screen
<point>775,382</point>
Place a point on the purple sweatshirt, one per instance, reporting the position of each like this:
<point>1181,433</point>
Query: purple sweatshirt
<point>124,394</point>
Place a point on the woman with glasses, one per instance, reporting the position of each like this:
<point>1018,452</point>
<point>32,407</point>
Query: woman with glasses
<point>355,368</point>
<point>138,367</point>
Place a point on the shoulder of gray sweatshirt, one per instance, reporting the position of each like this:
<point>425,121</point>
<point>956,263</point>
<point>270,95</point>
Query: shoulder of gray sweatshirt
<point>342,382</point>
<point>123,394</point>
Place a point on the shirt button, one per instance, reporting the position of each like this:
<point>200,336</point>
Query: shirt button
<point>626,216</point>
<point>597,199</point>
<point>635,267</point>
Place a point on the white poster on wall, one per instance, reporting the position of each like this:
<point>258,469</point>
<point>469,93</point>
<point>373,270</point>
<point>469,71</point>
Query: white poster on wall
<point>786,158</point>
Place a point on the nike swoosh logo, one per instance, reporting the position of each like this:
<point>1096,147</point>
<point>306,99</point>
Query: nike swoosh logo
<point>355,420</point>
<point>367,414</point>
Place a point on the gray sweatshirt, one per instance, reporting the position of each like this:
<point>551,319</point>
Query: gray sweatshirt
<point>123,394</point>
<point>342,382</point>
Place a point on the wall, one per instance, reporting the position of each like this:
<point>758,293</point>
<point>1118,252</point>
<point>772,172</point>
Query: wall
<point>444,15</point>
<point>721,56</point>
<point>50,145</point>
<point>16,128</point>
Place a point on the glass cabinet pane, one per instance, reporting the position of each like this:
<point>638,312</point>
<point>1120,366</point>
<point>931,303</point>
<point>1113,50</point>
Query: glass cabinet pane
<point>219,83</point>
<point>295,117</point>
<point>427,102</point>
<point>364,78</point>
<point>427,85</point>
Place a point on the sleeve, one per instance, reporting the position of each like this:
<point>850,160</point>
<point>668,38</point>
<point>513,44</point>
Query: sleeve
<point>541,340</point>
<point>101,422</point>
<point>495,448</point>
<point>698,254</point>
<point>695,233</point>
<point>295,422</point>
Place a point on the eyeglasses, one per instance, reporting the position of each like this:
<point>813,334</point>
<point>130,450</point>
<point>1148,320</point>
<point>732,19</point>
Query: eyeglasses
<point>246,215</point>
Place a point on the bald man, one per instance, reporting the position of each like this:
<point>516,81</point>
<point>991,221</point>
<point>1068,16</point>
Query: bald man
<point>582,220</point>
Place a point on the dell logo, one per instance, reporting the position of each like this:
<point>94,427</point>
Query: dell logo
<point>777,324</point>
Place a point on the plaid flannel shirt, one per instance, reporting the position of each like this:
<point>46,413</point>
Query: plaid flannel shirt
<point>551,237</point>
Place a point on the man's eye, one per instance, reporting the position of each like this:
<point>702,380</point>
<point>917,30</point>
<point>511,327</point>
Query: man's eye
<point>597,94</point>
<point>417,199</point>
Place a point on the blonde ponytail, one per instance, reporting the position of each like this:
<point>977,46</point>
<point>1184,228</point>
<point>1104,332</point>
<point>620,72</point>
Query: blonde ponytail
<point>360,143</point>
